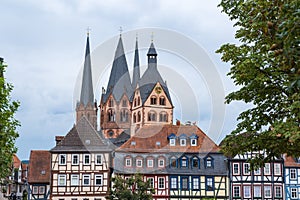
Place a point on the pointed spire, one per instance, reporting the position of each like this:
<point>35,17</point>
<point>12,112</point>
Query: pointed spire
<point>136,66</point>
<point>87,94</point>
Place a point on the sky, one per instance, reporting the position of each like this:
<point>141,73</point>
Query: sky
<point>43,44</point>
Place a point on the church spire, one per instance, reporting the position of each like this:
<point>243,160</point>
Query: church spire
<point>152,56</point>
<point>136,66</point>
<point>87,94</point>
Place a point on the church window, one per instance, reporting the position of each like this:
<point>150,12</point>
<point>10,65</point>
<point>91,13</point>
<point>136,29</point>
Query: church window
<point>111,115</point>
<point>162,101</point>
<point>110,133</point>
<point>111,102</point>
<point>151,116</point>
<point>134,103</point>
<point>163,117</point>
<point>139,101</point>
<point>153,100</point>
<point>139,116</point>
<point>124,115</point>
<point>124,103</point>
<point>134,118</point>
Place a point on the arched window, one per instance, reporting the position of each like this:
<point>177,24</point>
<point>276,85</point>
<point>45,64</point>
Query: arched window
<point>124,115</point>
<point>134,104</point>
<point>162,101</point>
<point>209,162</point>
<point>111,115</point>
<point>195,162</point>
<point>184,162</point>
<point>139,116</point>
<point>134,118</point>
<point>153,100</point>
<point>139,101</point>
<point>152,116</point>
<point>111,102</point>
<point>124,103</point>
<point>163,117</point>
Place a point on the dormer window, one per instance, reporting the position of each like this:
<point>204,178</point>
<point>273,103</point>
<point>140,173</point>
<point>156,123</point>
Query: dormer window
<point>172,142</point>
<point>182,142</point>
<point>193,139</point>
<point>209,162</point>
<point>184,162</point>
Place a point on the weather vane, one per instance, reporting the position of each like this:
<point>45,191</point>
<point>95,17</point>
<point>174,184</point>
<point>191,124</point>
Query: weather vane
<point>152,36</point>
<point>88,31</point>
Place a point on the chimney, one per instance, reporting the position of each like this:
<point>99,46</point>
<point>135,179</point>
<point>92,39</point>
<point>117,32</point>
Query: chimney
<point>58,139</point>
<point>177,122</point>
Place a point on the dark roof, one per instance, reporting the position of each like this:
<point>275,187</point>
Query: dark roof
<point>147,137</point>
<point>136,67</point>
<point>151,50</point>
<point>83,137</point>
<point>87,94</point>
<point>39,167</point>
<point>121,139</point>
<point>119,80</point>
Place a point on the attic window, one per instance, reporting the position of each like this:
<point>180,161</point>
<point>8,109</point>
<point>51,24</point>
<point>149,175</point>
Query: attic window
<point>87,142</point>
<point>172,142</point>
<point>182,142</point>
<point>193,142</point>
<point>133,143</point>
<point>43,172</point>
<point>157,143</point>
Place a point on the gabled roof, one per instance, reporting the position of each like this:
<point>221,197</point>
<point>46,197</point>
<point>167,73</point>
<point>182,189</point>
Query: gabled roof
<point>136,67</point>
<point>147,137</point>
<point>83,137</point>
<point>16,161</point>
<point>39,167</point>
<point>291,162</point>
<point>151,50</point>
<point>119,80</point>
<point>121,139</point>
<point>87,94</point>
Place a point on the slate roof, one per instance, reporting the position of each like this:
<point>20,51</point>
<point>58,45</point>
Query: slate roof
<point>39,167</point>
<point>291,162</point>
<point>121,139</point>
<point>147,137</point>
<point>83,138</point>
<point>87,94</point>
<point>151,50</point>
<point>119,80</point>
<point>136,67</point>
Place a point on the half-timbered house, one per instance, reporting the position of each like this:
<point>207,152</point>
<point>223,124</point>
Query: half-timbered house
<point>292,177</point>
<point>39,175</point>
<point>263,183</point>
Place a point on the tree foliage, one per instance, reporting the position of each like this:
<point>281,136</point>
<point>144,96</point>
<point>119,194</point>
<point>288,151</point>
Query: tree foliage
<point>133,188</point>
<point>8,124</point>
<point>265,67</point>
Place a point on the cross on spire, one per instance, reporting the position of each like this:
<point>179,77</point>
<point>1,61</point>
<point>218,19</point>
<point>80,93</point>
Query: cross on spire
<point>88,31</point>
<point>120,29</point>
<point>152,36</point>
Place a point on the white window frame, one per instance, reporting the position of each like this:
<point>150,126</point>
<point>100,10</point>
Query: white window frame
<point>182,142</point>
<point>267,191</point>
<point>150,162</point>
<point>161,164</point>
<point>151,182</point>
<point>277,169</point>
<point>128,162</point>
<point>159,183</point>
<point>139,162</point>
<point>99,177</point>
<point>60,159</point>
<point>257,191</point>
<point>234,165</point>
<point>62,180</point>
<point>184,162</point>
<point>293,174</point>
<point>74,179</point>
<point>172,142</point>
<point>278,191</point>
<point>42,189</point>
<point>84,161</point>
<point>193,142</point>
<point>234,190</point>
<point>173,183</point>
<point>294,193</point>
<point>73,155</point>
<point>246,169</point>
<point>35,189</point>
<point>247,191</point>
<point>97,161</point>
<point>267,169</point>
<point>196,185</point>
<point>257,171</point>
<point>86,177</point>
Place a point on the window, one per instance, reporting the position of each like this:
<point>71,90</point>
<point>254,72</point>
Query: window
<point>236,168</point>
<point>294,194</point>
<point>163,117</point>
<point>257,191</point>
<point>161,162</point>
<point>35,190</point>
<point>75,159</point>
<point>74,179</point>
<point>139,116</point>
<point>195,183</point>
<point>278,191</point>
<point>247,191</point>
<point>124,103</point>
<point>98,180</point>
<point>267,191</point>
<point>173,162</point>
<point>110,133</point>
<point>162,101</point>
<point>62,178</point>
<point>98,159</point>
<point>111,102</point>
<point>139,162</point>
<point>128,162</point>
<point>153,100</point>
<point>209,162</point>
<point>246,168</point>
<point>151,116</point>
<point>150,162</point>
<point>86,159</point>
<point>172,142</point>
<point>184,162</point>
<point>124,115</point>
<point>173,182</point>
<point>293,173</point>
<point>236,191</point>
<point>62,159</point>
<point>257,171</point>
<point>86,179</point>
<point>161,183</point>
<point>193,142</point>
<point>209,183</point>
<point>267,169</point>
<point>111,115</point>
<point>184,183</point>
<point>195,162</point>
<point>151,182</point>
<point>277,169</point>
<point>182,142</point>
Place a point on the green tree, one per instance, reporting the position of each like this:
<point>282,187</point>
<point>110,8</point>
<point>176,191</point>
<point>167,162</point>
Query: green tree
<point>8,124</point>
<point>133,188</point>
<point>265,67</point>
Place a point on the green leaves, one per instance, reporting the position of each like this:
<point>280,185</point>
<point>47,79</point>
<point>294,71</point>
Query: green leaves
<point>265,64</point>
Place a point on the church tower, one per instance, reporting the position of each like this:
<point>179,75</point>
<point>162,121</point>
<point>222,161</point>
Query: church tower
<point>115,104</point>
<point>151,103</point>
<point>87,106</point>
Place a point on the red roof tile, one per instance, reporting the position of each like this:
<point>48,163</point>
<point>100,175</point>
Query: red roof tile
<point>148,137</point>
<point>39,167</point>
<point>16,161</point>
<point>290,162</point>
